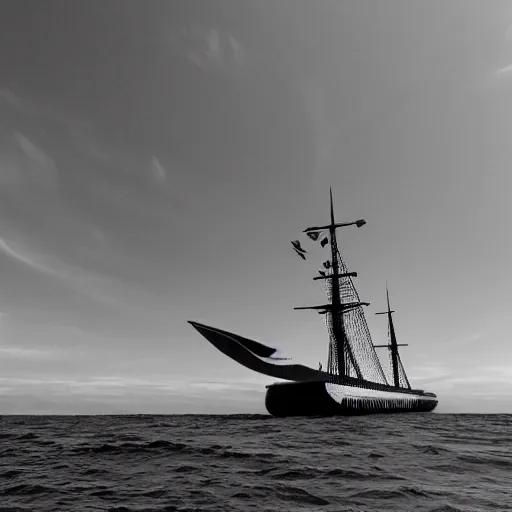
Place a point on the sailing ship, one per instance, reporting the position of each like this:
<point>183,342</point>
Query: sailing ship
<point>354,382</point>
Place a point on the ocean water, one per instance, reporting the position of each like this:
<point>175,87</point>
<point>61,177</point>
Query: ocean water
<point>410,462</point>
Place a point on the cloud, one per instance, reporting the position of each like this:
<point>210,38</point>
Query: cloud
<point>108,393</point>
<point>494,373</point>
<point>123,386</point>
<point>14,402</point>
<point>209,48</point>
<point>122,183</point>
<point>19,352</point>
<point>428,373</point>
<point>27,167</point>
<point>32,151</point>
<point>23,105</point>
<point>504,72</point>
<point>485,381</point>
<point>463,340</point>
<point>44,226</point>
<point>9,98</point>
<point>26,353</point>
<point>80,280</point>
<point>23,258</point>
<point>81,134</point>
<point>471,337</point>
<point>477,381</point>
<point>157,170</point>
<point>83,212</point>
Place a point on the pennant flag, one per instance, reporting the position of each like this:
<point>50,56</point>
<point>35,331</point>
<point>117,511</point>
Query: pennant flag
<point>327,264</point>
<point>300,254</point>
<point>322,273</point>
<point>297,247</point>
<point>324,242</point>
<point>314,235</point>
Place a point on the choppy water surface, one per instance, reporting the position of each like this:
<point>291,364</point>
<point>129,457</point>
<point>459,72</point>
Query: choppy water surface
<point>424,462</point>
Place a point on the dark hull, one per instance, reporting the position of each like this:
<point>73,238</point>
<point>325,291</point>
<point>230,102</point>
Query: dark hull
<point>321,399</point>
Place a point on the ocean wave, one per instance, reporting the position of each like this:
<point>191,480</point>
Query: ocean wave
<point>162,446</point>
<point>26,489</point>
<point>392,494</point>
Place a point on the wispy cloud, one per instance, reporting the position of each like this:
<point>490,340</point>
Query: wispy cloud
<point>122,184</point>
<point>27,167</point>
<point>47,229</point>
<point>209,48</point>
<point>475,336</point>
<point>21,257</point>
<point>22,104</point>
<point>504,72</point>
<point>501,372</point>
<point>20,352</point>
<point>485,381</point>
<point>121,385</point>
<point>464,339</point>
<point>112,395</point>
<point>157,170</point>
<point>27,353</point>
<point>8,97</point>
<point>32,151</point>
<point>428,372</point>
<point>80,280</point>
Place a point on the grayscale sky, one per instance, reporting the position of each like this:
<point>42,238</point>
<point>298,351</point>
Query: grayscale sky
<point>156,158</point>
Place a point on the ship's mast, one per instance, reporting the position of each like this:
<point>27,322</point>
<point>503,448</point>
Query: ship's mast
<point>337,320</point>
<point>336,308</point>
<point>393,345</point>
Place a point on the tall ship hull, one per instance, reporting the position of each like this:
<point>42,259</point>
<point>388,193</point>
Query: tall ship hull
<point>326,399</point>
<point>354,382</point>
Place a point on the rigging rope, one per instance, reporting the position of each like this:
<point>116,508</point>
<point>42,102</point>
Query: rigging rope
<point>357,332</point>
<point>359,348</point>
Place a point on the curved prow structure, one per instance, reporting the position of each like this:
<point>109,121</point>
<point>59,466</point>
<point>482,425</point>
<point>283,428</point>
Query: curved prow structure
<point>248,353</point>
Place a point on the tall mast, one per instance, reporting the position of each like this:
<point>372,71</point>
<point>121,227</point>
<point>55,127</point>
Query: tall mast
<point>337,320</point>
<point>336,308</point>
<point>393,345</point>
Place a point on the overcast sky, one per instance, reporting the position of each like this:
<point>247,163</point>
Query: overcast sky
<point>156,158</point>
